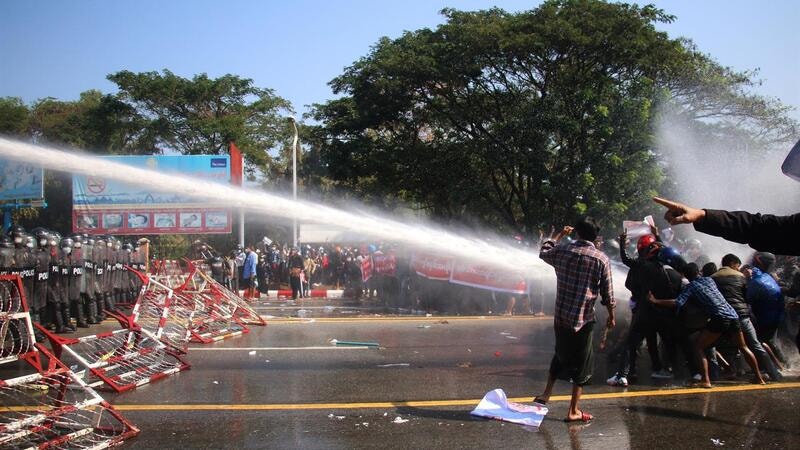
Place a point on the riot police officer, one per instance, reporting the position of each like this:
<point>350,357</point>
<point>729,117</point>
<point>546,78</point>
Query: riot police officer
<point>56,298</point>
<point>73,262</point>
<point>41,258</point>
<point>6,255</point>
<point>87,286</point>
<point>24,266</point>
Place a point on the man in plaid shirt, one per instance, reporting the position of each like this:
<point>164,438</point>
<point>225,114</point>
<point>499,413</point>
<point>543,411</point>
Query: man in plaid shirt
<point>583,273</point>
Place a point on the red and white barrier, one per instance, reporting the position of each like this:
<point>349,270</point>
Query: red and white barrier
<point>314,293</point>
<point>52,408</point>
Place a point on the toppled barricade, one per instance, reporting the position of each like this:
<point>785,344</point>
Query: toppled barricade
<point>53,407</point>
<point>147,348</point>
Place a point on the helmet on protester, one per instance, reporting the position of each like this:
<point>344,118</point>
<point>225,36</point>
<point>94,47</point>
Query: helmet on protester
<point>645,242</point>
<point>671,257</point>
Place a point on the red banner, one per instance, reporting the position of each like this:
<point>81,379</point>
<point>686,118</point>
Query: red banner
<point>488,277</point>
<point>431,266</point>
<point>384,264</point>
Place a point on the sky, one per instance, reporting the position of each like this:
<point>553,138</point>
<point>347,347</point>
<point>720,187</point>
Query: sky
<point>60,48</point>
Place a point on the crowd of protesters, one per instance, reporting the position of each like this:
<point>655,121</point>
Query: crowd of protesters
<point>713,318</point>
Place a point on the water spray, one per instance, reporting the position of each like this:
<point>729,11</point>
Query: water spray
<point>416,235</point>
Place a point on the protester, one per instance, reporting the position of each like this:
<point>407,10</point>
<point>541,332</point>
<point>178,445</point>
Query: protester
<point>583,274</point>
<point>767,303</point>
<point>732,285</point>
<point>723,319</point>
<point>249,272</point>
<point>643,320</point>
<point>295,269</point>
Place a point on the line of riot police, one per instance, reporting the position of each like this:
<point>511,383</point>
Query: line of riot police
<point>78,277</point>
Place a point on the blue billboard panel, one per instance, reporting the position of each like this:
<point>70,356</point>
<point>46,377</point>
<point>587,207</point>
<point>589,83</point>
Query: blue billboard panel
<point>20,181</point>
<point>101,205</point>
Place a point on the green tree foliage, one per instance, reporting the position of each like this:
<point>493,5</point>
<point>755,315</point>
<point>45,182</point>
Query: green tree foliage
<point>96,122</point>
<point>515,121</point>
<point>14,117</point>
<point>203,115</point>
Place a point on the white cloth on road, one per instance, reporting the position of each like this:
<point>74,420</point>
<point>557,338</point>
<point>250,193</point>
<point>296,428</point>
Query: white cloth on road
<point>495,405</point>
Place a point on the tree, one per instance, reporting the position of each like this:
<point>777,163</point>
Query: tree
<point>515,121</point>
<point>14,117</point>
<point>96,123</point>
<point>203,115</point>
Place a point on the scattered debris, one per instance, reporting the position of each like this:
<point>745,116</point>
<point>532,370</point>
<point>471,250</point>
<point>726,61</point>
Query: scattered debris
<point>498,354</point>
<point>469,350</point>
<point>399,419</point>
<point>266,360</point>
<point>505,333</point>
<point>394,365</point>
<point>429,315</point>
<point>443,321</point>
<point>465,365</point>
<point>331,416</point>
<point>252,353</point>
<point>385,414</point>
<point>354,343</point>
<point>216,382</point>
<point>423,326</point>
<point>512,337</point>
<point>717,442</point>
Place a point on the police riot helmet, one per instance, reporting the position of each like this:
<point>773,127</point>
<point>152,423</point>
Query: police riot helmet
<point>89,240</point>
<point>30,242</point>
<point>67,243</point>
<point>6,242</point>
<point>77,241</point>
<point>127,247</point>
<point>20,239</point>
<point>15,230</point>
<point>42,237</point>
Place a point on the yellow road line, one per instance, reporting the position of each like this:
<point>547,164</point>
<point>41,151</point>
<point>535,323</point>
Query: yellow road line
<point>443,403</point>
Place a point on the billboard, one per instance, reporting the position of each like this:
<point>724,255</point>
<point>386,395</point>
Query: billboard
<point>106,206</point>
<point>20,181</point>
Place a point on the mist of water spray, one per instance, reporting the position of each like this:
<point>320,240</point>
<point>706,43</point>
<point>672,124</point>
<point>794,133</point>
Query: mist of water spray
<point>416,235</point>
<point>723,172</point>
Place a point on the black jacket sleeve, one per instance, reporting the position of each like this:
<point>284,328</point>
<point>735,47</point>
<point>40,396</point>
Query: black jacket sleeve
<point>763,232</point>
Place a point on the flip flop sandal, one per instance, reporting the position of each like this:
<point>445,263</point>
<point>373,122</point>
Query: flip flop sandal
<point>585,417</point>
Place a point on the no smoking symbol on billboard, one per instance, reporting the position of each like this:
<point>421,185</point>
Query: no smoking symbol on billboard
<point>95,184</point>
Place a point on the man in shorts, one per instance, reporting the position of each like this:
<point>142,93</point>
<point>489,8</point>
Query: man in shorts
<point>584,274</point>
<point>723,319</point>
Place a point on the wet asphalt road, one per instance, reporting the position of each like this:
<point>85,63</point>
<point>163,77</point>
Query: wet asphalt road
<point>429,372</point>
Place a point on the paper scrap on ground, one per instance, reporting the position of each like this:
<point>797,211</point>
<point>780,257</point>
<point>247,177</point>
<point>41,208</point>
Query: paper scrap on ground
<point>495,405</point>
<point>399,419</point>
<point>394,365</point>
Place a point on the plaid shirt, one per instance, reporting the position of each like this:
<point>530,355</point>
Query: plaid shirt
<point>704,291</point>
<point>583,273</point>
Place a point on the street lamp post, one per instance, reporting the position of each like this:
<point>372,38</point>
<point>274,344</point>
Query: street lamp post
<point>294,179</point>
